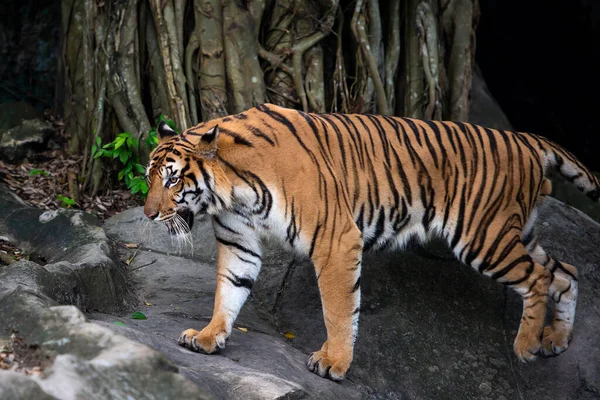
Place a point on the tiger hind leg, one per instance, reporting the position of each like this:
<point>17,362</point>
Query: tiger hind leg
<point>563,292</point>
<point>510,264</point>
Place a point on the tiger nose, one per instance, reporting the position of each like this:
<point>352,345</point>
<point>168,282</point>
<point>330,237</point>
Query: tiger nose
<point>151,214</point>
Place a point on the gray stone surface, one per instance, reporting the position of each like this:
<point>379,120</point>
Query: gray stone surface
<point>484,109</point>
<point>25,139</point>
<point>88,361</point>
<point>429,326</point>
<point>258,364</point>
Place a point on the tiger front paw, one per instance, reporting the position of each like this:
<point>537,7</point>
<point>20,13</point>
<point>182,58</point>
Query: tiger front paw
<point>527,347</point>
<point>206,341</point>
<point>327,367</point>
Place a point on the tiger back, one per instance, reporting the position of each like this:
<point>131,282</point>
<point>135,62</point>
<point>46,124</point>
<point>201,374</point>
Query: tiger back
<point>332,186</point>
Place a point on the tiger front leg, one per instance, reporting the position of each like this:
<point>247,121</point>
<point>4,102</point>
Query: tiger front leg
<point>338,268</point>
<point>239,262</point>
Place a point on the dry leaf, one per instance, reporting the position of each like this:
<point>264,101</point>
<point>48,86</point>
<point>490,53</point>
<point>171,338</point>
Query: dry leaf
<point>131,245</point>
<point>289,335</point>
<point>147,303</point>
<point>243,329</point>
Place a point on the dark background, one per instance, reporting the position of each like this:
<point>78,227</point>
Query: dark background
<point>540,60</point>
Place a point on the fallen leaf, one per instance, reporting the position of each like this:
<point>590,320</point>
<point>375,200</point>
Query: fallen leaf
<point>138,315</point>
<point>131,245</point>
<point>119,323</point>
<point>289,335</point>
<point>243,329</point>
<point>147,303</point>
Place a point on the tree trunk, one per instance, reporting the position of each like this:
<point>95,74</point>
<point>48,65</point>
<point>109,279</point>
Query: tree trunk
<point>126,63</point>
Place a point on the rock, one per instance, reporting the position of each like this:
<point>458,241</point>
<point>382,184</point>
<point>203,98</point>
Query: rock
<point>25,139</point>
<point>429,326</point>
<point>484,109</point>
<point>81,270</point>
<point>87,360</point>
<point>91,361</point>
<point>14,385</point>
<point>15,112</point>
<point>258,364</point>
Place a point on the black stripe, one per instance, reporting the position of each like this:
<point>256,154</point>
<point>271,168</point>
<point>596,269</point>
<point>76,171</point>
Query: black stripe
<point>314,240</point>
<point>222,225</point>
<point>257,132</point>
<point>524,258</point>
<point>238,246</point>
<point>236,138</point>
<point>356,285</point>
<point>379,228</point>
<point>239,281</point>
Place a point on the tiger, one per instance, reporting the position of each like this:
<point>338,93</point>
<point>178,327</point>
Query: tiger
<point>332,186</point>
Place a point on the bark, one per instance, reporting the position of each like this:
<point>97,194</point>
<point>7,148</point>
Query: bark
<point>279,40</point>
<point>314,84</point>
<point>209,30</point>
<point>392,53</point>
<point>77,63</point>
<point>427,32</point>
<point>176,58</point>
<point>414,77</point>
<point>124,92</point>
<point>156,72</point>
<point>176,105</point>
<point>359,29</point>
<point>245,79</point>
<point>459,26</point>
<point>190,51</point>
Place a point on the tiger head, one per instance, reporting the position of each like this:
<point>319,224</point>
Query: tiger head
<point>182,176</point>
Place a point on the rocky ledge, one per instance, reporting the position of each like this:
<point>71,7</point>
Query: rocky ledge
<point>429,328</point>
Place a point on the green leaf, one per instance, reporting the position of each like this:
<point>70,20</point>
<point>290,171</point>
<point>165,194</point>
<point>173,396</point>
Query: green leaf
<point>37,171</point>
<point>120,141</point>
<point>120,174</point>
<point>138,315</point>
<point>98,141</point>
<point>66,201</point>
<point>140,168</point>
<point>124,157</point>
<point>119,323</point>
<point>94,148</point>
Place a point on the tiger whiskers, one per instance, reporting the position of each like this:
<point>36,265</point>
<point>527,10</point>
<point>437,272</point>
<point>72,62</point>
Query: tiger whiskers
<point>144,231</point>
<point>181,235</point>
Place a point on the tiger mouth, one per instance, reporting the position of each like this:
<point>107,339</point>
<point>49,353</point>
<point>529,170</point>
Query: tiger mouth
<point>180,222</point>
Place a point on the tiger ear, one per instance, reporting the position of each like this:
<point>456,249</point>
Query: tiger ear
<point>164,131</point>
<point>208,141</point>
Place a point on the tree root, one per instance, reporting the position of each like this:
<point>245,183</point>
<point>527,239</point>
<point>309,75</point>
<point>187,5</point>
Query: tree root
<point>359,30</point>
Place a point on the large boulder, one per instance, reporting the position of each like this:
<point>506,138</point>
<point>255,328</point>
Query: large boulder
<point>91,360</point>
<point>429,326</point>
<point>81,359</point>
<point>23,132</point>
